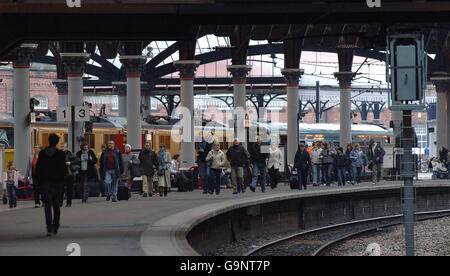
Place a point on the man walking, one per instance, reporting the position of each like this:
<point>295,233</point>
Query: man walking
<point>50,171</point>
<point>258,159</point>
<point>302,163</point>
<point>148,166</point>
<point>238,156</point>
<point>375,155</point>
<point>111,167</point>
<point>203,148</point>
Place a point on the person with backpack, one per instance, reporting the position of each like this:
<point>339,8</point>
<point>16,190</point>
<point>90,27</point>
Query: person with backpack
<point>359,161</point>
<point>88,171</point>
<point>302,163</point>
<point>218,160</point>
<point>129,160</point>
<point>375,155</point>
<point>340,162</point>
<point>148,164</point>
<point>111,167</point>
<point>327,164</point>
<point>259,160</point>
<point>73,165</point>
<point>50,171</point>
<point>238,156</point>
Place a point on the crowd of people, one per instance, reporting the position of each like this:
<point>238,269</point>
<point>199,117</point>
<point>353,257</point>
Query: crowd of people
<point>329,164</point>
<point>54,173</point>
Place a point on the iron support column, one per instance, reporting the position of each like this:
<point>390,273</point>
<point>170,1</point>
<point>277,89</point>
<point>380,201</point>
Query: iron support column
<point>187,70</point>
<point>239,74</point>
<point>441,81</point>
<point>292,81</point>
<point>345,80</point>
<point>74,65</point>
<point>61,86</point>
<point>133,66</point>
<point>21,84</point>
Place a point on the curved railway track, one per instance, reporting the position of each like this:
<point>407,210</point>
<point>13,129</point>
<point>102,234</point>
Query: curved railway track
<point>316,241</point>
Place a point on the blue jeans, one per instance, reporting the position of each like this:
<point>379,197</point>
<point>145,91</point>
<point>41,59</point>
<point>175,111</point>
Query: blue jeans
<point>317,174</point>
<point>259,168</point>
<point>341,175</point>
<point>204,173</point>
<point>215,180</point>
<point>357,174</point>
<point>11,195</point>
<point>111,183</point>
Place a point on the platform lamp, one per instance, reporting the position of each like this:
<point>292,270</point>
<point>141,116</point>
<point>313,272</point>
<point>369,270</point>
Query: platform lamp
<point>406,68</point>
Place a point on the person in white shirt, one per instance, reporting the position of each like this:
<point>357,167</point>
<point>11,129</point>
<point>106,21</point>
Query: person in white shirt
<point>218,160</point>
<point>317,163</point>
<point>274,164</point>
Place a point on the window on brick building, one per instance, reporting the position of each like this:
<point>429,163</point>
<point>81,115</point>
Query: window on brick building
<point>115,103</point>
<point>43,102</point>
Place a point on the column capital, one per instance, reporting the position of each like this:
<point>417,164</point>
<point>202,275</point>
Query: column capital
<point>239,72</point>
<point>186,68</point>
<point>24,54</point>
<point>292,75</point>
<point>74,63</point>
<point>61,86</point>
<point>344,78</point>
<point>133,65</point>
<point>442,81</point>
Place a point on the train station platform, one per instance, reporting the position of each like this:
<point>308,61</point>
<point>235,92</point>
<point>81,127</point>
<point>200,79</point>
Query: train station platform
<point>144,226</point>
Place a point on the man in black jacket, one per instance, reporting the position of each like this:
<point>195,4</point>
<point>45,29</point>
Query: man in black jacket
<point>238,157</point>
<point>203,148</point>
<point>51,169</point>
<point>258,159</point>
<point>148,166</point>
<point>302,163</point>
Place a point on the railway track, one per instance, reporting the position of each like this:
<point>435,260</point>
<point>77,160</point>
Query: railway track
<point>315,242</point>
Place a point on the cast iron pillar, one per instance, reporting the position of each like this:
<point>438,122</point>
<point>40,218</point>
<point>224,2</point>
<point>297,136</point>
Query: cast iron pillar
<point>187,69</point>
<point>133,66</point>
<point>441,80</point>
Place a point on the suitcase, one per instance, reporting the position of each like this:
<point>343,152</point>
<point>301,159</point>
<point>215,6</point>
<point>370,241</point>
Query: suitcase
<point>94,188</point>
<point>123,192</point>
<point>293,182</point>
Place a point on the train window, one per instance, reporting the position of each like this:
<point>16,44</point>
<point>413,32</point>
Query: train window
<point>90,140</point>
<point>7,137</point>
<point>165,140</point>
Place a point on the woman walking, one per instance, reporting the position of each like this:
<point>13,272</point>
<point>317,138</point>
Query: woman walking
<point>73,165</point>
<point>11,179</point>
<point>274,164</point>
<point>163,170</point>
<point>87,170</point>
<point>129,159</point>
<point>359,160</point>
<point>218,160</point>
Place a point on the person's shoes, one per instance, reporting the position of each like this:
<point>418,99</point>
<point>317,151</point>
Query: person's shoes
<point>304,187</point>
<point>150,194</point>
<point>165,191</point>
<point>10,206</point>
<point>144,195</point>
<point>204,192</point>
<point>108,198</point>
<point>114,200</point>
<point>49,234</point>
<point>211,192</point>
<point>36,205</point>
<point>235,193</point>
<point>55,232</point>
<point>68,205</point>
<point>252,189</point>
<point>263,191</point>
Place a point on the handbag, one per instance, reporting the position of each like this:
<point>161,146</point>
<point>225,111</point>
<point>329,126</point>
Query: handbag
<point>134,171</point>
<point>74,167</point>
<point>5,200</point>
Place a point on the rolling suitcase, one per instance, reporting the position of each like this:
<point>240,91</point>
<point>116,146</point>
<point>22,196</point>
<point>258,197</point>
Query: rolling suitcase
<point>123,192</point>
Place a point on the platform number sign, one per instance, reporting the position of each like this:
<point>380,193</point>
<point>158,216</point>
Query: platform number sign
<point>81,114</point>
